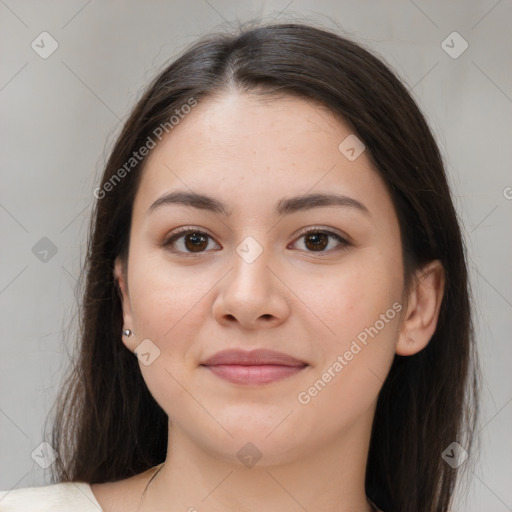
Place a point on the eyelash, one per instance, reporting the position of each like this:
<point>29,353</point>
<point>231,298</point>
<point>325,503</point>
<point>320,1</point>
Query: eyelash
<point>173,237</point>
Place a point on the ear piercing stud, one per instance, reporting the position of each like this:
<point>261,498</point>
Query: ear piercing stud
<point>127,332</point>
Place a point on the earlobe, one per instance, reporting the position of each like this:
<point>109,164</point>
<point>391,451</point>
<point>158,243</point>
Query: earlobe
<point>120,277</point>
<point>420,320</point>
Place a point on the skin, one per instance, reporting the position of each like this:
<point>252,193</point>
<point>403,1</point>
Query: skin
<point>249,153</point>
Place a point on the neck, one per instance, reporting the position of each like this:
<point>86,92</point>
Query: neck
<point>329,478</point>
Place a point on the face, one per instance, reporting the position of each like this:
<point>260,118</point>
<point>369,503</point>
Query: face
<point>320,281</point>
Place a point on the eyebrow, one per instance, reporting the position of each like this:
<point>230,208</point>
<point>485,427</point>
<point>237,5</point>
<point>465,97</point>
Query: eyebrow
<point>284,206</point>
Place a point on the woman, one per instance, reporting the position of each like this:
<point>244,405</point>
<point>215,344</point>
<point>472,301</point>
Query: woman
<point>275,241</point>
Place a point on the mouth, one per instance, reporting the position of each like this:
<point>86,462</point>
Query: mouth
<point>253,374</point>
<point>255,367</point>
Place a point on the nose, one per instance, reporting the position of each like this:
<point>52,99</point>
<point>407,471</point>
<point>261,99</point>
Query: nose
<point>251,295</point>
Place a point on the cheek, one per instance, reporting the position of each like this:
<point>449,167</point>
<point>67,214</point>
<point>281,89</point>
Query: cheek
<point>165,295</point>
<point>361,309</point>
<point>353,299</point>
<point>165,311</point>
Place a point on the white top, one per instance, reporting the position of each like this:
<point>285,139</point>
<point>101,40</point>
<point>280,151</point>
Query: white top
<point>62,497</point>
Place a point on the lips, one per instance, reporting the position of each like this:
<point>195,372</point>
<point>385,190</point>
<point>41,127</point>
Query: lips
<point>256,357</point>
<point>256,367</point>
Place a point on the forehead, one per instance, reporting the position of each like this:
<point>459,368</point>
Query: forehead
<point>236,126</point>
<point>259,148</point>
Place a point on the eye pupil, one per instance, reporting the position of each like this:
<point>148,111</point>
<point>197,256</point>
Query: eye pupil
<point>320,240</point>
<point>197,239</point>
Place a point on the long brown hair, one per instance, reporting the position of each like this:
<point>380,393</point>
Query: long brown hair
<point>107,426</point>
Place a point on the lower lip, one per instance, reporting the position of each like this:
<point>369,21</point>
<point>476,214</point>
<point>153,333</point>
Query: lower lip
<point>257,374</point>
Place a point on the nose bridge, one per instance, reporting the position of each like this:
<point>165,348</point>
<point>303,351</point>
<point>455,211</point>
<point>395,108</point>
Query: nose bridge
<point>249,249</point>
<point>251,266</point>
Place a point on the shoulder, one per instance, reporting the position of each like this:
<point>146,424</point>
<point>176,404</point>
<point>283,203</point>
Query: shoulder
<point>56,498</point>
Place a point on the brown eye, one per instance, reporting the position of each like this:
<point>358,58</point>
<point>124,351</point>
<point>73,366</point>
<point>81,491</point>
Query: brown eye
<point>195,242</point>
<point>316,240</point>
<point>188,241</point>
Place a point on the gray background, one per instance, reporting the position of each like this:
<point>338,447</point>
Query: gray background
<point>59,117</point>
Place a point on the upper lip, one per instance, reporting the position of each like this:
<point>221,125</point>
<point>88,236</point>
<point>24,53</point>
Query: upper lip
<point>253,357</point>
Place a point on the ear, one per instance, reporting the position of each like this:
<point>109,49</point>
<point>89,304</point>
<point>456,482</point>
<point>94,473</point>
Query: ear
<point>424,303</point>
<point>120,276</point>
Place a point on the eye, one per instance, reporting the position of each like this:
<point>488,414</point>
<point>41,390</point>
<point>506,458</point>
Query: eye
<point>317,240</point>
<point>188,241</point>
<point>194,241</point>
